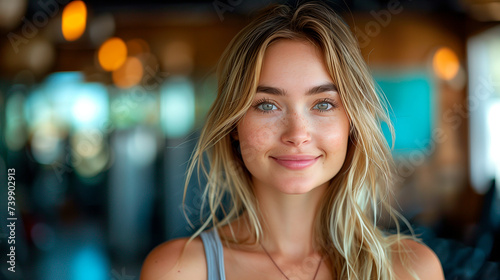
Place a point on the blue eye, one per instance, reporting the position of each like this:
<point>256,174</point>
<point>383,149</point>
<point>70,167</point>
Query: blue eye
<point>323,106</point>
<point>266,107</point>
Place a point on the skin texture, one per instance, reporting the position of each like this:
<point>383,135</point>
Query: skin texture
<point>279,127</point>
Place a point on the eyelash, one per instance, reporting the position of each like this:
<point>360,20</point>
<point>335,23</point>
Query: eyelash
<point>262,101</point>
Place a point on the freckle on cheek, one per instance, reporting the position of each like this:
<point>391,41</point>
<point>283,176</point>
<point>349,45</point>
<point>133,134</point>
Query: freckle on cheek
<point>256,142</point>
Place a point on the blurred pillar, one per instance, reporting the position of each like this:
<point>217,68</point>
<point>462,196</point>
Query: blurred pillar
<point>131,192</point>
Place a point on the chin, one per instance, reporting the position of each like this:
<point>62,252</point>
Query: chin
<point>298,187</point>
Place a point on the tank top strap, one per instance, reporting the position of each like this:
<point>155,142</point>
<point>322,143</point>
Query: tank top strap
<point>214,254</point>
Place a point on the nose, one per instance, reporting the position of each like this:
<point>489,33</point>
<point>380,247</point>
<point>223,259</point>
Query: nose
<point>296,130</point>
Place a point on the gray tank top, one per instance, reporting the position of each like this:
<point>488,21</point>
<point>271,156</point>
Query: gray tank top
<point>214,254</point>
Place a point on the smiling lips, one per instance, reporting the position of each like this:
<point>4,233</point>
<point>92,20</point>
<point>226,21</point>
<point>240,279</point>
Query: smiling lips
<point>296,162</point>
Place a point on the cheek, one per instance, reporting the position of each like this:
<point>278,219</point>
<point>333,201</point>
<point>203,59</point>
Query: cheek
<point>255,138</point>
<point>335,137</point>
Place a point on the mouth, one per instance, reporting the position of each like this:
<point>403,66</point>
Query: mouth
<point>296,162</point>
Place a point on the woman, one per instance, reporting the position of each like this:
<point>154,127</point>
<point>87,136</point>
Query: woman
<point>294,140</point>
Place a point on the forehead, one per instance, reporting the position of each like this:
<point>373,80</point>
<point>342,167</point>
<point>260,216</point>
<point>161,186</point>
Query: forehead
<point>289,62</point>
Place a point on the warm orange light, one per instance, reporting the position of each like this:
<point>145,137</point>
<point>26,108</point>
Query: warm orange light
<point>130,74</point>
<point>445,64</point>
<point>74,19</point>
<point>112,54</point>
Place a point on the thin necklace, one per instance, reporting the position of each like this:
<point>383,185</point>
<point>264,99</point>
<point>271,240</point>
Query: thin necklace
<point>275,264</point>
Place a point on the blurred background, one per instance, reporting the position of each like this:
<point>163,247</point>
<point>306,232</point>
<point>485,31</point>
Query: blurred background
<point>101,104</point>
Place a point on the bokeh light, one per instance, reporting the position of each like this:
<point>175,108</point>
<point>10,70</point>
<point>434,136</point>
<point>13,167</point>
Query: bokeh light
<point>129,74</point>
<point>46,144</point>
<point>89,262</point>
<point>87,143</point>
<point>90,152</point>
<point>134,106</point>
<point>15,135</point>
<point>142,146</point>
<point>90,106</point>
<point>74,20</point>
<point>445,63</point>
<point>11,12</point>
<point>62,88</point>
<point>177,107</point>
<point>84,109</point>
<point>112,54</point>
<point>40,56</point>
<point>482,97</point>
<point>37,109</point>
<point>36,55</point>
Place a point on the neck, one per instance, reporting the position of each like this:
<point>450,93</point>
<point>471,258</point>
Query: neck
<point>288,220</point>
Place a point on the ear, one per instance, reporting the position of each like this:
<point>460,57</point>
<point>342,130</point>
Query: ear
<point>234,134</point>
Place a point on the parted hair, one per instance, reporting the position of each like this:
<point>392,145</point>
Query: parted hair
<point>347,228</point>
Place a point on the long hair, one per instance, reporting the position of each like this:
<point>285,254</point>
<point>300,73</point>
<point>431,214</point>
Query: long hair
<point>347,225</point>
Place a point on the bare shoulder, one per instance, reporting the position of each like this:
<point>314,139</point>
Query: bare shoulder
<point>419,258</point>
<point>170,261</point>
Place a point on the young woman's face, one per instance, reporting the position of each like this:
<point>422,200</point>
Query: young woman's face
<point>294,137</point>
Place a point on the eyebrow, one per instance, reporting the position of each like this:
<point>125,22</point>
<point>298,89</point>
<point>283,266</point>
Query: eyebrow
<point>311,91</point>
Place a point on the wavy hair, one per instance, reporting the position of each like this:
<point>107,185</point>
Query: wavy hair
<point>347,225</point>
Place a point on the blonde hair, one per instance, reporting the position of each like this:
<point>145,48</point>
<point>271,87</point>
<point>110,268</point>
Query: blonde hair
<point>346,228</point>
